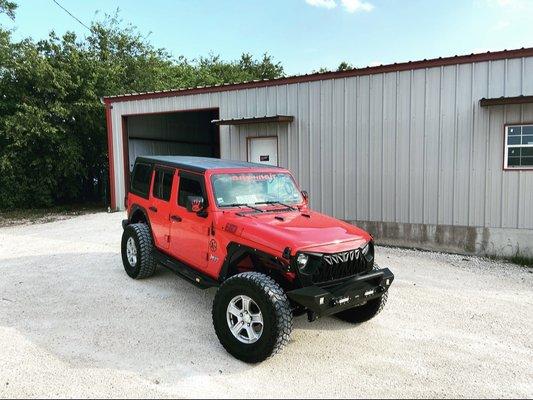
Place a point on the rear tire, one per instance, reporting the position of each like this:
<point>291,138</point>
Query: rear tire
<point>269,304</point>
<point>365,312</point>
<point>138,251</point>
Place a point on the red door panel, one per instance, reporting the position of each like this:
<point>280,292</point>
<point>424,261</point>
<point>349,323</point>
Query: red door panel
<point>159,211</point>
<point>189,232</point>
<point>189,239</point>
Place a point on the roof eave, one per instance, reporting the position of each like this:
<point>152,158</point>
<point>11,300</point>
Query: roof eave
<point>396,67</point>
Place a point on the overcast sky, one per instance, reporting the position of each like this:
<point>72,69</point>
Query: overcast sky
<point>303,34</point>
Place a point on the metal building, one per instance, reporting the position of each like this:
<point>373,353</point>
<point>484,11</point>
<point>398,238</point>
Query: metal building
<point>434,153</point>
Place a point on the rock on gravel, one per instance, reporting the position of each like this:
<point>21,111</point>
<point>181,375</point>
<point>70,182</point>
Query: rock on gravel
<point>72,324</point>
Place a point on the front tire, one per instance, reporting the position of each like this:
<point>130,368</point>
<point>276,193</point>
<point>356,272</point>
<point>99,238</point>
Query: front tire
<point>252,317</point>
<point>138,251</point>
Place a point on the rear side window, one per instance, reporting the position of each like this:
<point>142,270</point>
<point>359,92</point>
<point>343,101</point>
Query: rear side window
<point>163,184</point>
<point>188,187</point>
<point>140,182</point>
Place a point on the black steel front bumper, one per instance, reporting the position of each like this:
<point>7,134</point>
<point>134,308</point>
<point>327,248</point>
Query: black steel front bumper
<point>324,300</point>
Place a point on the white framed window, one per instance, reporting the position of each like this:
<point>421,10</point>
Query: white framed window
<point>518,147</point>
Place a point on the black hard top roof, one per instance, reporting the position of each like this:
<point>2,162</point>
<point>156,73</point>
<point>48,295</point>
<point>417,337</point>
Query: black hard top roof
<point>199,164</point>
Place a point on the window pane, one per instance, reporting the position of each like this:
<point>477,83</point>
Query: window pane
<point>514,151</point>
<point>518,147</point>
<point>515,130</point>
<point>140,182</point>
<point>527,130</point>
<point>527,162</point>
<point>527,139</point>
<point>514,140</point>
<point>162,184</point>
<point>188,187</point>
<point>513,162</point>
<point>157,183</point>
<point>166,187</point>
<point>526,151</point>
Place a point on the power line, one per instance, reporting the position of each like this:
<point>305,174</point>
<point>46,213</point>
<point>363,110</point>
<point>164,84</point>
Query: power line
<point>72,15</point>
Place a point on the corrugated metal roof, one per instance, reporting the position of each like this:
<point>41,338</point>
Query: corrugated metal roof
<point>426,63</point>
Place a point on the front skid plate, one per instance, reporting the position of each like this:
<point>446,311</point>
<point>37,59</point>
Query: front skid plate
<point>356,291</point>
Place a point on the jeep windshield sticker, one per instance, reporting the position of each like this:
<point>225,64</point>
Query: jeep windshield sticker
<point>252,177</point>
<point>247,199</point>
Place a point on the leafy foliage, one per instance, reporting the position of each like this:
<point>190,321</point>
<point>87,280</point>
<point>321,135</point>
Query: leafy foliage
<point>53,143</point>
<point>344,66</point>
<point>8,7</point>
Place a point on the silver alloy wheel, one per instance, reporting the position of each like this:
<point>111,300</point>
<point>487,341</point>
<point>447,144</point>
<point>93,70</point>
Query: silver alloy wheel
<point>245,320</point>
<point>131,251</point>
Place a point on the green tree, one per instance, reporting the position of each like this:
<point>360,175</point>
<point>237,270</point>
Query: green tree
<point>8,7</point>
<point>53,142</point>
<point>344,66</point>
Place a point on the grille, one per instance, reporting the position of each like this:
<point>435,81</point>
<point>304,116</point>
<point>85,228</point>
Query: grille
<point>341,265</point>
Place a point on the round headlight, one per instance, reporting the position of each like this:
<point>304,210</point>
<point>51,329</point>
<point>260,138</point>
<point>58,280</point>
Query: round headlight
<point>301,260</point>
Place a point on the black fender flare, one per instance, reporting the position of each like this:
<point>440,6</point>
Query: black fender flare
<point>138,208</point>
<point>235,252</point>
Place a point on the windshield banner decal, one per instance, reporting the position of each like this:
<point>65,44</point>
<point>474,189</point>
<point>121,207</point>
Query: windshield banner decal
<point>252,177</point>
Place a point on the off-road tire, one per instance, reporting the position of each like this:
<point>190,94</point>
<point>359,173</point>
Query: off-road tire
<point>146,265</point>
<point>274,306</point>
<point>365,312</point>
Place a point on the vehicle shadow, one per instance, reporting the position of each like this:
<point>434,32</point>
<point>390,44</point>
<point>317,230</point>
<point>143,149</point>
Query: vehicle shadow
<point>85,310</point>
<point>322,324</point>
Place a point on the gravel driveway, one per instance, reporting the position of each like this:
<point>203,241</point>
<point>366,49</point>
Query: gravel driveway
<point>72,324</point>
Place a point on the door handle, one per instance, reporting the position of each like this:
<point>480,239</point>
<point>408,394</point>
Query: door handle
<point>175,218</point>
<point>154,209</point>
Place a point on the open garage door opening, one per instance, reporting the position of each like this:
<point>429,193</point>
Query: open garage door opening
<point>183,133</point>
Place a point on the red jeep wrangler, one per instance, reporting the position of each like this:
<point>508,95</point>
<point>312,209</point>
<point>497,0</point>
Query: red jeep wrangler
<point>247,229</point>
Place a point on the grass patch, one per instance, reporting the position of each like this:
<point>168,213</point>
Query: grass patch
<point>517,259</point>
<point>522,260</point>
<point>43,215</point>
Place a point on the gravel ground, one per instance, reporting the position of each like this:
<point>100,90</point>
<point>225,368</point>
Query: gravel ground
<point>72,324</point>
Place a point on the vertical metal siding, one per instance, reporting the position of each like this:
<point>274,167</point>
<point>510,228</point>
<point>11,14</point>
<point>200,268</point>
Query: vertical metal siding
<point>478,155</point>
<point>314,161</point>
<point>362,153</point>
<point>402,146</point>
<point>409,147</point>
<point>350,149</point>
<point>338,140</point>
<point>388,166</point>
<point>432,119</point>
<point>416,146</point>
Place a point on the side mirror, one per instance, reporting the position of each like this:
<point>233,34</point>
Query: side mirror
<point>305,196</point>
<point>195,204</point>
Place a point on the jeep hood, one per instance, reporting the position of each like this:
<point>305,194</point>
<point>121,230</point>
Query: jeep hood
<point>309,230</point>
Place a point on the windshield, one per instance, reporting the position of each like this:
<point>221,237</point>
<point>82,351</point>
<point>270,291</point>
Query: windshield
<point>255,188</point>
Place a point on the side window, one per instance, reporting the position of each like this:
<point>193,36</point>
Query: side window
<point>519,147</point>
<point>188,187</point>
<point>140,182</point>
<point>162,184</point>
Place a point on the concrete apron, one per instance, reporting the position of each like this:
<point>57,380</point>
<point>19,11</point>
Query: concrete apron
<point>500,242</point>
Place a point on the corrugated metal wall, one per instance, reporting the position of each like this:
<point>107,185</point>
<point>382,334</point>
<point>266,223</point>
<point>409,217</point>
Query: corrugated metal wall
<point>408,147</point>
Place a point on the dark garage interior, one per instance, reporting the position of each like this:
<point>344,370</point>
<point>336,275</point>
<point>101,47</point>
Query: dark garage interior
<point>186,133</point>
